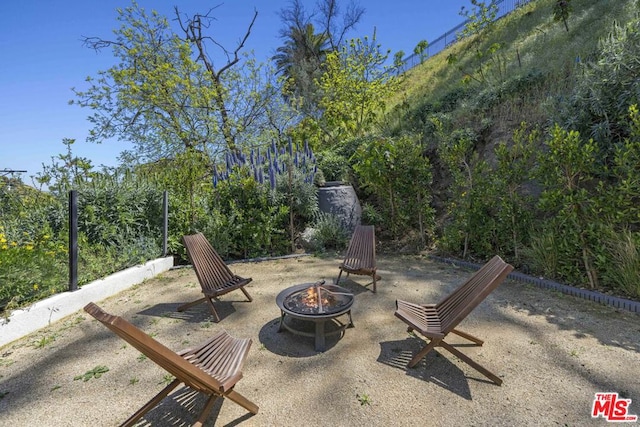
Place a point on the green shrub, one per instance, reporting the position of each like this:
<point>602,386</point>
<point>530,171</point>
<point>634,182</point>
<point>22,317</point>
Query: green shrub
<point>598,107</point>
<point>118,208</point>
<point>622,271</point>
<point>397,175</point>
<point>119,218</point>
<point>542,254</point>
<point>329,232</point>
<point>215,227</point>
<point>255,225</point>
<point>297,193</point>
<point>30,270</point>
<point>488,210</point>
<point>370,215</point>
<point>334,166</point>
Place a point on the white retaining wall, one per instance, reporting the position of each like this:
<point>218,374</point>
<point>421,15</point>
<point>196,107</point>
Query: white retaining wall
<point>42,313</point>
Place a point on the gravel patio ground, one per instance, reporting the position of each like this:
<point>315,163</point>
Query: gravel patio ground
<point>553,352</point>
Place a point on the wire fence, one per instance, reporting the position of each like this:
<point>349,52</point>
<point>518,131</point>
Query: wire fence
<point>447,39</point>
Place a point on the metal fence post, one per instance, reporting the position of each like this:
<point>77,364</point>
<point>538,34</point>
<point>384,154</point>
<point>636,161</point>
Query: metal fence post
<point>165,222</point>
<point>73,240</point>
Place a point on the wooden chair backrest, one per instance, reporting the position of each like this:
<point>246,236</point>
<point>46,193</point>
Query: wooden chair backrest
<point>361,253</point>
<point>166,358</point>
<point>213,273</point>
<point>457,305</point>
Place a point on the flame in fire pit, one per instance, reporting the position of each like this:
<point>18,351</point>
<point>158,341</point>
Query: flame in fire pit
<point>316,299</point>
<point>316,296</point>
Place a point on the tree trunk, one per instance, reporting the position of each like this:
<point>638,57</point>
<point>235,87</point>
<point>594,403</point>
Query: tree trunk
<point>227,132</point>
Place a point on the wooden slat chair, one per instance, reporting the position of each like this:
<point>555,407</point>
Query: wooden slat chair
<point>361,254</point>
<point>213,274</point>
<point>213,368</point>
<point>436,321</point>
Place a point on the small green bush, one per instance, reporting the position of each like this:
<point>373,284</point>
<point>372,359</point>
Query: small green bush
<point>333,166</point>
<point>541,256</point>
<point>329,234</point>
<point>255,225</point>
<point>622,272</point>
<point>30,270</point>
<point>370,215</point>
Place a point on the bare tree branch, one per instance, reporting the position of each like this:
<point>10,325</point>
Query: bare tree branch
<point>294,17</point>
<point>325,15</point>
<point>97,44</point>
<point>329,13</point>
<point>351,18</point>
<point>193,33</point>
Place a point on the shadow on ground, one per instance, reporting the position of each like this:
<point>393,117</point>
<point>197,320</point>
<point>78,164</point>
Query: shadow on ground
<point>433,368</point>
<point>286,343</point>
<point>178,409</point>
<point>196,314</point>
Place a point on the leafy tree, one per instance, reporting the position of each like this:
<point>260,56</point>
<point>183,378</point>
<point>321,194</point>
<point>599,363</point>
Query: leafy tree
<point>561,11</point>
<point>193,29</point>
<point>308,38</point>
<point>568,173</point>
<point>587,220</point>
<point>299,61</point>
<point>468,219</point>
<point>480,22</point>
<point>395,172</point>
<point>165,95</point>
<point>143,98</point>
<point>514,206</point>
<point>420,49</point>
<point>480,19</point>
<point>621,184</point>
<point>354,86</point>
<point>398,61</point>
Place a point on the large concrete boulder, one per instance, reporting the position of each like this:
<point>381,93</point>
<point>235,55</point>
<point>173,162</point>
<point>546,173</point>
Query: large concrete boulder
<point>340,199</point>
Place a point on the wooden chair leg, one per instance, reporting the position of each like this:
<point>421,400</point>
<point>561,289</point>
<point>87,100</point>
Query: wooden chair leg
<point>213,309</point>
<point>246,294</point>
<point>468,336</point>
<point>478,367</point>
<point>422,353</point>
<point>338,279</point>
<point>206,410</point>
<point>151,404</point>
<point>185,306</point>
<point>242,401</point>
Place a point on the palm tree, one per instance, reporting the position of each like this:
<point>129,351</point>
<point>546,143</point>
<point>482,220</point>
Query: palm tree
<point>299,61</point>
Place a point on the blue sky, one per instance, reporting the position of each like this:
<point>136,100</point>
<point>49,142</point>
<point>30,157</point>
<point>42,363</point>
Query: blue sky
<point>42,58</point>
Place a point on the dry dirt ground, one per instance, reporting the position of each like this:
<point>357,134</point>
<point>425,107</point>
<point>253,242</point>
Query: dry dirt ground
<point>553,353</point>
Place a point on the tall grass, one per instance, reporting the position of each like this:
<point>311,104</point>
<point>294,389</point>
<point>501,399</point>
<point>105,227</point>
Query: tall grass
<point>623,270</point>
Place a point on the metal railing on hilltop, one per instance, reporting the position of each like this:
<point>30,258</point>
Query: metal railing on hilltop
<point>441,43</point>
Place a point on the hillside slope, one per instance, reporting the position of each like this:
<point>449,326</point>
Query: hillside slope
<point>533,138</point>
<point>535,65</point>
